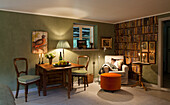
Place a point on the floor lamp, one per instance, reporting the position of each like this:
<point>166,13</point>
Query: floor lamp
<point>62,44</point>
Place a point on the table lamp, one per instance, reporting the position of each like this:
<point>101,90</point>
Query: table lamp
<point>63,44</point>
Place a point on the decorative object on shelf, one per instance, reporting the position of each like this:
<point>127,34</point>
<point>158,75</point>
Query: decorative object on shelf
<point>63,44</point>
<point>152,58</point>
<point>81,44</point>
<point>152,47</point>
<point>144,46</point>
<point>106,42</point>
<point>50,56</point>
<point>39,42</point>
<point>91,45</point>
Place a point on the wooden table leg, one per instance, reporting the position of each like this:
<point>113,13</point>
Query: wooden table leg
<point>69,82</point>
<point>44,83</point>
<point>64,78</point>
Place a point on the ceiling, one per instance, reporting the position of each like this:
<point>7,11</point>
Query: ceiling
<point>108,11</point>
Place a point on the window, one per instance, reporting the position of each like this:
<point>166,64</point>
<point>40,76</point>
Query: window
<point>83,32</point>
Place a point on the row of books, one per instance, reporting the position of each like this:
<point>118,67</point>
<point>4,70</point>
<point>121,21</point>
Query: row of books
<point>139,22</point>
<point>137,38</point>
<point>137,30</point>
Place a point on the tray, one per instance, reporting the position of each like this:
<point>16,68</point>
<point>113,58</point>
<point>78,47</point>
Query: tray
<point>61,65</point>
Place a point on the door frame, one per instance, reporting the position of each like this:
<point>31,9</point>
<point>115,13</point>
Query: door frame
<point>160,50</point>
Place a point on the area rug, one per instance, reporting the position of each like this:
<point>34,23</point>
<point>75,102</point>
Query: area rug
<point>115,96</point>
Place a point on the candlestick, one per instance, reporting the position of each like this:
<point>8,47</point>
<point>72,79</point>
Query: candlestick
<point>42,58</point>
<point>39,58</point>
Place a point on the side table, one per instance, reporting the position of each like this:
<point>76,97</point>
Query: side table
<point>140,83</point>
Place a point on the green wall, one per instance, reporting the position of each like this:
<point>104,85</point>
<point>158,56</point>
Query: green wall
<point>15,41</point>
<point>150,73</point>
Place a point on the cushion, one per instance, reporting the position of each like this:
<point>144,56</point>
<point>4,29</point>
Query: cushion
<point>28,78</point>
<point>81,71</point>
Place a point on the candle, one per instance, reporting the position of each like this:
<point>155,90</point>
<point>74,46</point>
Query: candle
<point>42,58</point>
<point>39,58</point>
<point>143,54</point>
<point>139,54</point>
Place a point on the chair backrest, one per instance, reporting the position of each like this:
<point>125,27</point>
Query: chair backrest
<point>16,67</point>
<point>84,56</point>
<point>116,57</point>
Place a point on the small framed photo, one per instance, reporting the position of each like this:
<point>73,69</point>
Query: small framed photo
<point>144,46</point>
<point>152,47</point>
<point>81,44</point>
<point>106,42</point>
<point>145,57</point>
<point>152,58</point>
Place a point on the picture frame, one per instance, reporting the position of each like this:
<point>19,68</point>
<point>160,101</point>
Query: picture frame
<point>145,57</point>
<point>152,47</point>
<point>39,42</point>
<point>81,44</point>
<point>106,42</point>
<point>144,46</point>
<point>152,58</point>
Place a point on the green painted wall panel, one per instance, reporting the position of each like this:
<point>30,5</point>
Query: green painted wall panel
<point>15,41</point>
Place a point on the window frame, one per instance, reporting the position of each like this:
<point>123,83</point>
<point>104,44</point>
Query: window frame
<point>81,26</point>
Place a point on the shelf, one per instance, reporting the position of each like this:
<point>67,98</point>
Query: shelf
<point>85,49</point>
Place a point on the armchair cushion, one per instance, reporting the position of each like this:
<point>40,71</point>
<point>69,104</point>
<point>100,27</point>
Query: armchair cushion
<point>28,78</point>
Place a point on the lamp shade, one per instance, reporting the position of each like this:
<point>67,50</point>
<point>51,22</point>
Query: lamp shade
<point>63,44</point>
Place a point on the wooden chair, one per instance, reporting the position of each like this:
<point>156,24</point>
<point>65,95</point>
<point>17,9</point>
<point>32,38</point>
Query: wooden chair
<point>81,72</point>
<point>25,79</point>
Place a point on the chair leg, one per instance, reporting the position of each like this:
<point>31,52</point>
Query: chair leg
<point>16,96</point>
<point>39,88</point>
<point>78,81</point>
<point>84,83</point>
<point>87,81</point>
<point>26,92</point>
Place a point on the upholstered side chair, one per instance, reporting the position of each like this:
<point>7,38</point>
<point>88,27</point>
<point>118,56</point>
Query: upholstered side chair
<point>81,72</point>
<point>25,79</point>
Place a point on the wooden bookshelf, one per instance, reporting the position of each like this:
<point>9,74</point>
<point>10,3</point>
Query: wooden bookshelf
<point>131,34</point>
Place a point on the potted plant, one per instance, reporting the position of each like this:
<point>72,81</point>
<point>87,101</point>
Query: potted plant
<point>50,56</point>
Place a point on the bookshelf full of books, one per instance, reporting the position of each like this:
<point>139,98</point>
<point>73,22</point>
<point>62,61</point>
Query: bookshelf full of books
<point>131,35</point>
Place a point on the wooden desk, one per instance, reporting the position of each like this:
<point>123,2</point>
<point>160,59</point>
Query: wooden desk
<point>44,69</point>
<point>140,83</point>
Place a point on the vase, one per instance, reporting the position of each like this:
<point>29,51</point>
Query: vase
<point>50,61</point>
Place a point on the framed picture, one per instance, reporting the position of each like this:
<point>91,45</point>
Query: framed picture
<point>106,42</point>
<point>152,58</point>
<point>144,46</point>
<point>145,57</point>
<point>39,42</point>
<point>81,44</point>
<point>152,47</point>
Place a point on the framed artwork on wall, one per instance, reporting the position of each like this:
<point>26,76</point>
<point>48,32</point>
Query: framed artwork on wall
<point>106,42</point>
<point>39,42</point>
<point>152,58</point>
<point>152,47</point>
<point>144,46</point>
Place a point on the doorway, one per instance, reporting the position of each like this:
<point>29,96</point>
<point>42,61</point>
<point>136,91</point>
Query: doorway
<point>166,54</point>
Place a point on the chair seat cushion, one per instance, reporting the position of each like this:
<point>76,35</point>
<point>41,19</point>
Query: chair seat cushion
<point>28,78</point>
<point>79,72</point>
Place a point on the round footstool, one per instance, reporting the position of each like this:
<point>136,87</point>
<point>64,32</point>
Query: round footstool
<point>110,81</point>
